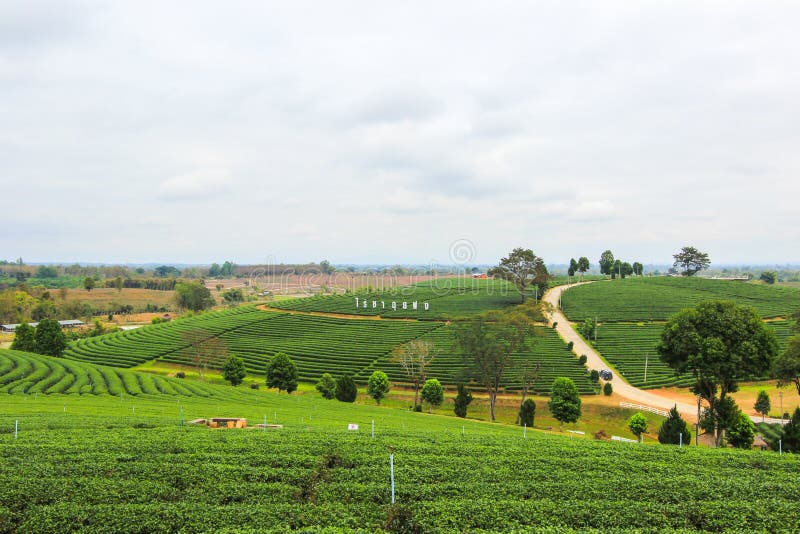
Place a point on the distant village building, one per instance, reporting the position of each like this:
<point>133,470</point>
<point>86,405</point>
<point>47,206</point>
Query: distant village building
<point>481,276</point>
<point>70,323</point>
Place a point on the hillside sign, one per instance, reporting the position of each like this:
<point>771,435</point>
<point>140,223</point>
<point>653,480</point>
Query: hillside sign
<point>380,304</point>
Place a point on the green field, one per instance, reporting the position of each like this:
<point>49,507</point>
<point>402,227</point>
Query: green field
<point>103,463</point>
<point>448,298</point>
<point>657,298</point>
<point>627,345</point>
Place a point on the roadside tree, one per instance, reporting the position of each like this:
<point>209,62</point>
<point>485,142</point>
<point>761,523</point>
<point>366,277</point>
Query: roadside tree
<point>719,343</point>
<point>522,268</point>
<point>606,262</point>
<point>762,404</point>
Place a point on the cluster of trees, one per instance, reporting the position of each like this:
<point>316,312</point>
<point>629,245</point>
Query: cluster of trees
<point>616,267</point>
<point>46,338</point>
<point>193,296</point>
<point>223,271</point>
<point>581,265</point>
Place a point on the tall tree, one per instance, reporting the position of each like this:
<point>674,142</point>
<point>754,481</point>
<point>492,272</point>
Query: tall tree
<point>606,262</point>
<point>88,283</point>
<point>583,265</point>
<point>528,377</point>
<point>522,268</point>
<point>762,404</point>
<point>691,260</point>
<point>565,402</point>
<point>282,373</point>
<point>742,432</point>
<point>487,343</point>
<point>719,343</point>
<point>378,385</point>
<point>234,371</point>
<point>638,268</point>
<point>204,350</point>
<point>791,433</point>
<point>527,411</point>
<point>24,338</point>
<point>414,357</point>
<point>787,367</point>
<point>49,338</point>
<point>463,399</point>
<point>573,267</point>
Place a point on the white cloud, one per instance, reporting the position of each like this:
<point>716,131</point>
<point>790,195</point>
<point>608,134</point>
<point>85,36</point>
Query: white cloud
<point>197,184</point>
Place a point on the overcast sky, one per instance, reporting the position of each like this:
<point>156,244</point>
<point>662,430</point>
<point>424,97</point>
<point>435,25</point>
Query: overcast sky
<point>385,132</point>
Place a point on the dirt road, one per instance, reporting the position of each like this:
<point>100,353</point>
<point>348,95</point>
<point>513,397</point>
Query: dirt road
<point>595,361</point>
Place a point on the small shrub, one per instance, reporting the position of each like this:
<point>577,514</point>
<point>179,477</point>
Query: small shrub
<point>570,345</point>
<point>180,374</point>
<point>555,325</point>
<point>608,389</point>
<point>418,408</point>
<point>254,385</point>
<point>582,359</point>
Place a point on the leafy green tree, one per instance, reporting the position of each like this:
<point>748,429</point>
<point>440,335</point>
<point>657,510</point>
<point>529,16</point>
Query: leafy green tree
<point>193,296</point>
<point>672,428</point>
<point>582,359</point>
<point>583,265</point>
<point>638,425</point>
<point>49,338</point>
<point>608,389</point>
<point>587,328</point>
<point>719,343</point>
<point>24,339</point>
<point>432,393</point>
<point>594,376</point>
<point>234,371</point>
<point>463,399</point>
<point>768,277</point>
<point>233,296</point>
<point>487,343</point>
<point>213,271</point>
<point>606,262</point>
<point>282,373</point>
<point>565,402</point>
<point>346,390</point>
<point>787,367</point>
<point>791,433</point>
<point>573,267</point>
<point>691,260</point>
<point>527,411</point>
<point>326,386</point>
<point>46,271</point>
<point>166,270</point>
<point>378,385</point>
<point>227,269</point>
<point>638,268</point>
<point>522,268</point>
<point>88,283</point>
<point>762,404</point>
<point>742,432</point>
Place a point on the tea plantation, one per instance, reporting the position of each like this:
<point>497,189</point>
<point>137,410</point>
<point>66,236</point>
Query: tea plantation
<point>89,463</point>
<point>626,345</point>
<point>657,298</point>
<point>318,344</point>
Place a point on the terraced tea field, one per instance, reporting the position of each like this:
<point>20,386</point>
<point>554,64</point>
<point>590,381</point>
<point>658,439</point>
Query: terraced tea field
<point>448,298</point>
<point>545,348</point>
<point>317,344</point>
<point>657,298</point>
<point>98,468</point>
<point>626,346</point>
<point>26,373</point>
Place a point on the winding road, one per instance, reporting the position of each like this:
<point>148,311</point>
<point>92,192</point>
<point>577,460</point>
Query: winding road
<point>595,361</point>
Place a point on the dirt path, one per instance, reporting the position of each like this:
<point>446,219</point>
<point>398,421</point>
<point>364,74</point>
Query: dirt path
<point>622,388</point>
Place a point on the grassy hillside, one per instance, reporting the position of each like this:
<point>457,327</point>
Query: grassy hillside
<point>317,344</point>
<point>89,462</point>
<point>657,298</point>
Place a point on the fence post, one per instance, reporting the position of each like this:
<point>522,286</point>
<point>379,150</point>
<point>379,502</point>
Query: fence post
<point>391,472</point>
<point>681,438</point>
<point>16,428</point>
